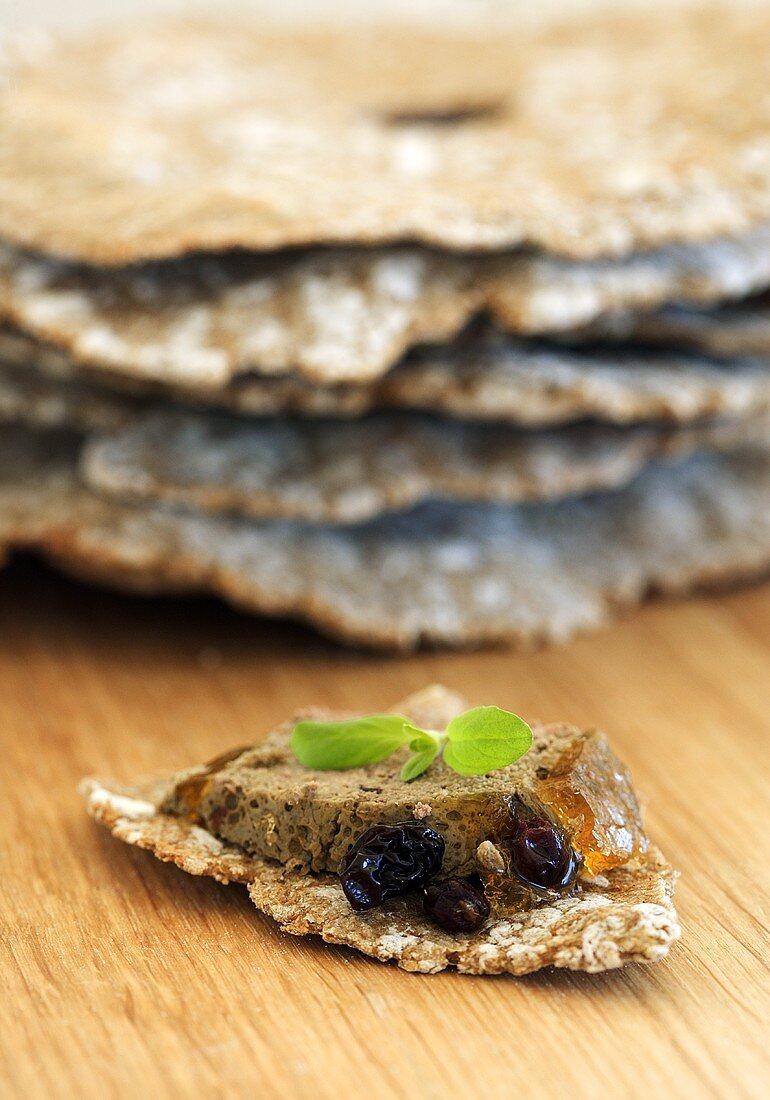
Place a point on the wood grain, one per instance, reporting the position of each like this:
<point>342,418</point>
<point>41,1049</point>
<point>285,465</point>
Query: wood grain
<point>123,977</point>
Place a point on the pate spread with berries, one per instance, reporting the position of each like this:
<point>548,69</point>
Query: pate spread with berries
<point>512,838</point>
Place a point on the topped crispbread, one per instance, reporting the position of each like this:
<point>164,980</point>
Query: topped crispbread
<point>585,136</point>
<point>616,917</point>
<point>622,917</point>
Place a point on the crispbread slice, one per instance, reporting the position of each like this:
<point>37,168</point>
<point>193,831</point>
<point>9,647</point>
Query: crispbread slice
<point>331,316</point>
<point>494,378</point>
<point>344,314</point>
<point>584,136</point>
<point>451,574</point>
<point>331,471</point>
<point>482,378</point>
<point>624,916</point>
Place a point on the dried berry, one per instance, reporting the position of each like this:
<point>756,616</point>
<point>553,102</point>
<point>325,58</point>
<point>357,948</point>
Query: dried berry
<point>541,855</point>
<point>456,905</point>
<point>388,860</point>
<point>530,859</point>
<point>538,850</point>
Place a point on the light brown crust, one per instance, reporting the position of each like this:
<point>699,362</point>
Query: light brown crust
<point>130,813</point>
<point>625,916</point>
<point>592,136</point>
<point>531,577</point>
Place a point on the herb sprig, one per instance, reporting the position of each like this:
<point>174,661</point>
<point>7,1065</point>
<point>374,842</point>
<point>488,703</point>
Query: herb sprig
<point>474,743</point>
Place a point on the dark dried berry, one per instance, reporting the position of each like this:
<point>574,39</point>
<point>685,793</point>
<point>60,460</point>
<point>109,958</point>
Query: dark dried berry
<point>456,905</point>
<point>540,853</point>
<point>388,860</point>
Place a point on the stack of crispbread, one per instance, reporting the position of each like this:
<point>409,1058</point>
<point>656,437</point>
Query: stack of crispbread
<point>448,335</point>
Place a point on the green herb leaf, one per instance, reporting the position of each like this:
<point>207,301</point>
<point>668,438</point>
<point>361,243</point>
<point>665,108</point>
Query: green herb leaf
<point>477,742</point>
<point>426,748</point>
<point>485,739</point>
<point>419,763</point>
<point>331,746</point>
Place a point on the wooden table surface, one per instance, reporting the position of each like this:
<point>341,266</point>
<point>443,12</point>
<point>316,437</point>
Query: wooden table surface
<point>124,977</point>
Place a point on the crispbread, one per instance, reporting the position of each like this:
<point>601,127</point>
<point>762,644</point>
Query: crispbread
<point>587,136</point>
<point>485,378</point>
<point>624,916</point>
<point>330,471</point>
<point>341,314</point>
<point>497,379</point>
<point>451,574</point>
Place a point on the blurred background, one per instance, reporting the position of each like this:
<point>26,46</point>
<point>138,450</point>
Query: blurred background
<point>27,13</point>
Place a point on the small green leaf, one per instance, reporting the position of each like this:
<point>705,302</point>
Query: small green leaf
<point>426,739</point>
<point>477,742</point>
<point>336,746</point>
<point>425,749</point>
<point>418,763</point>
<point>485,739</point>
